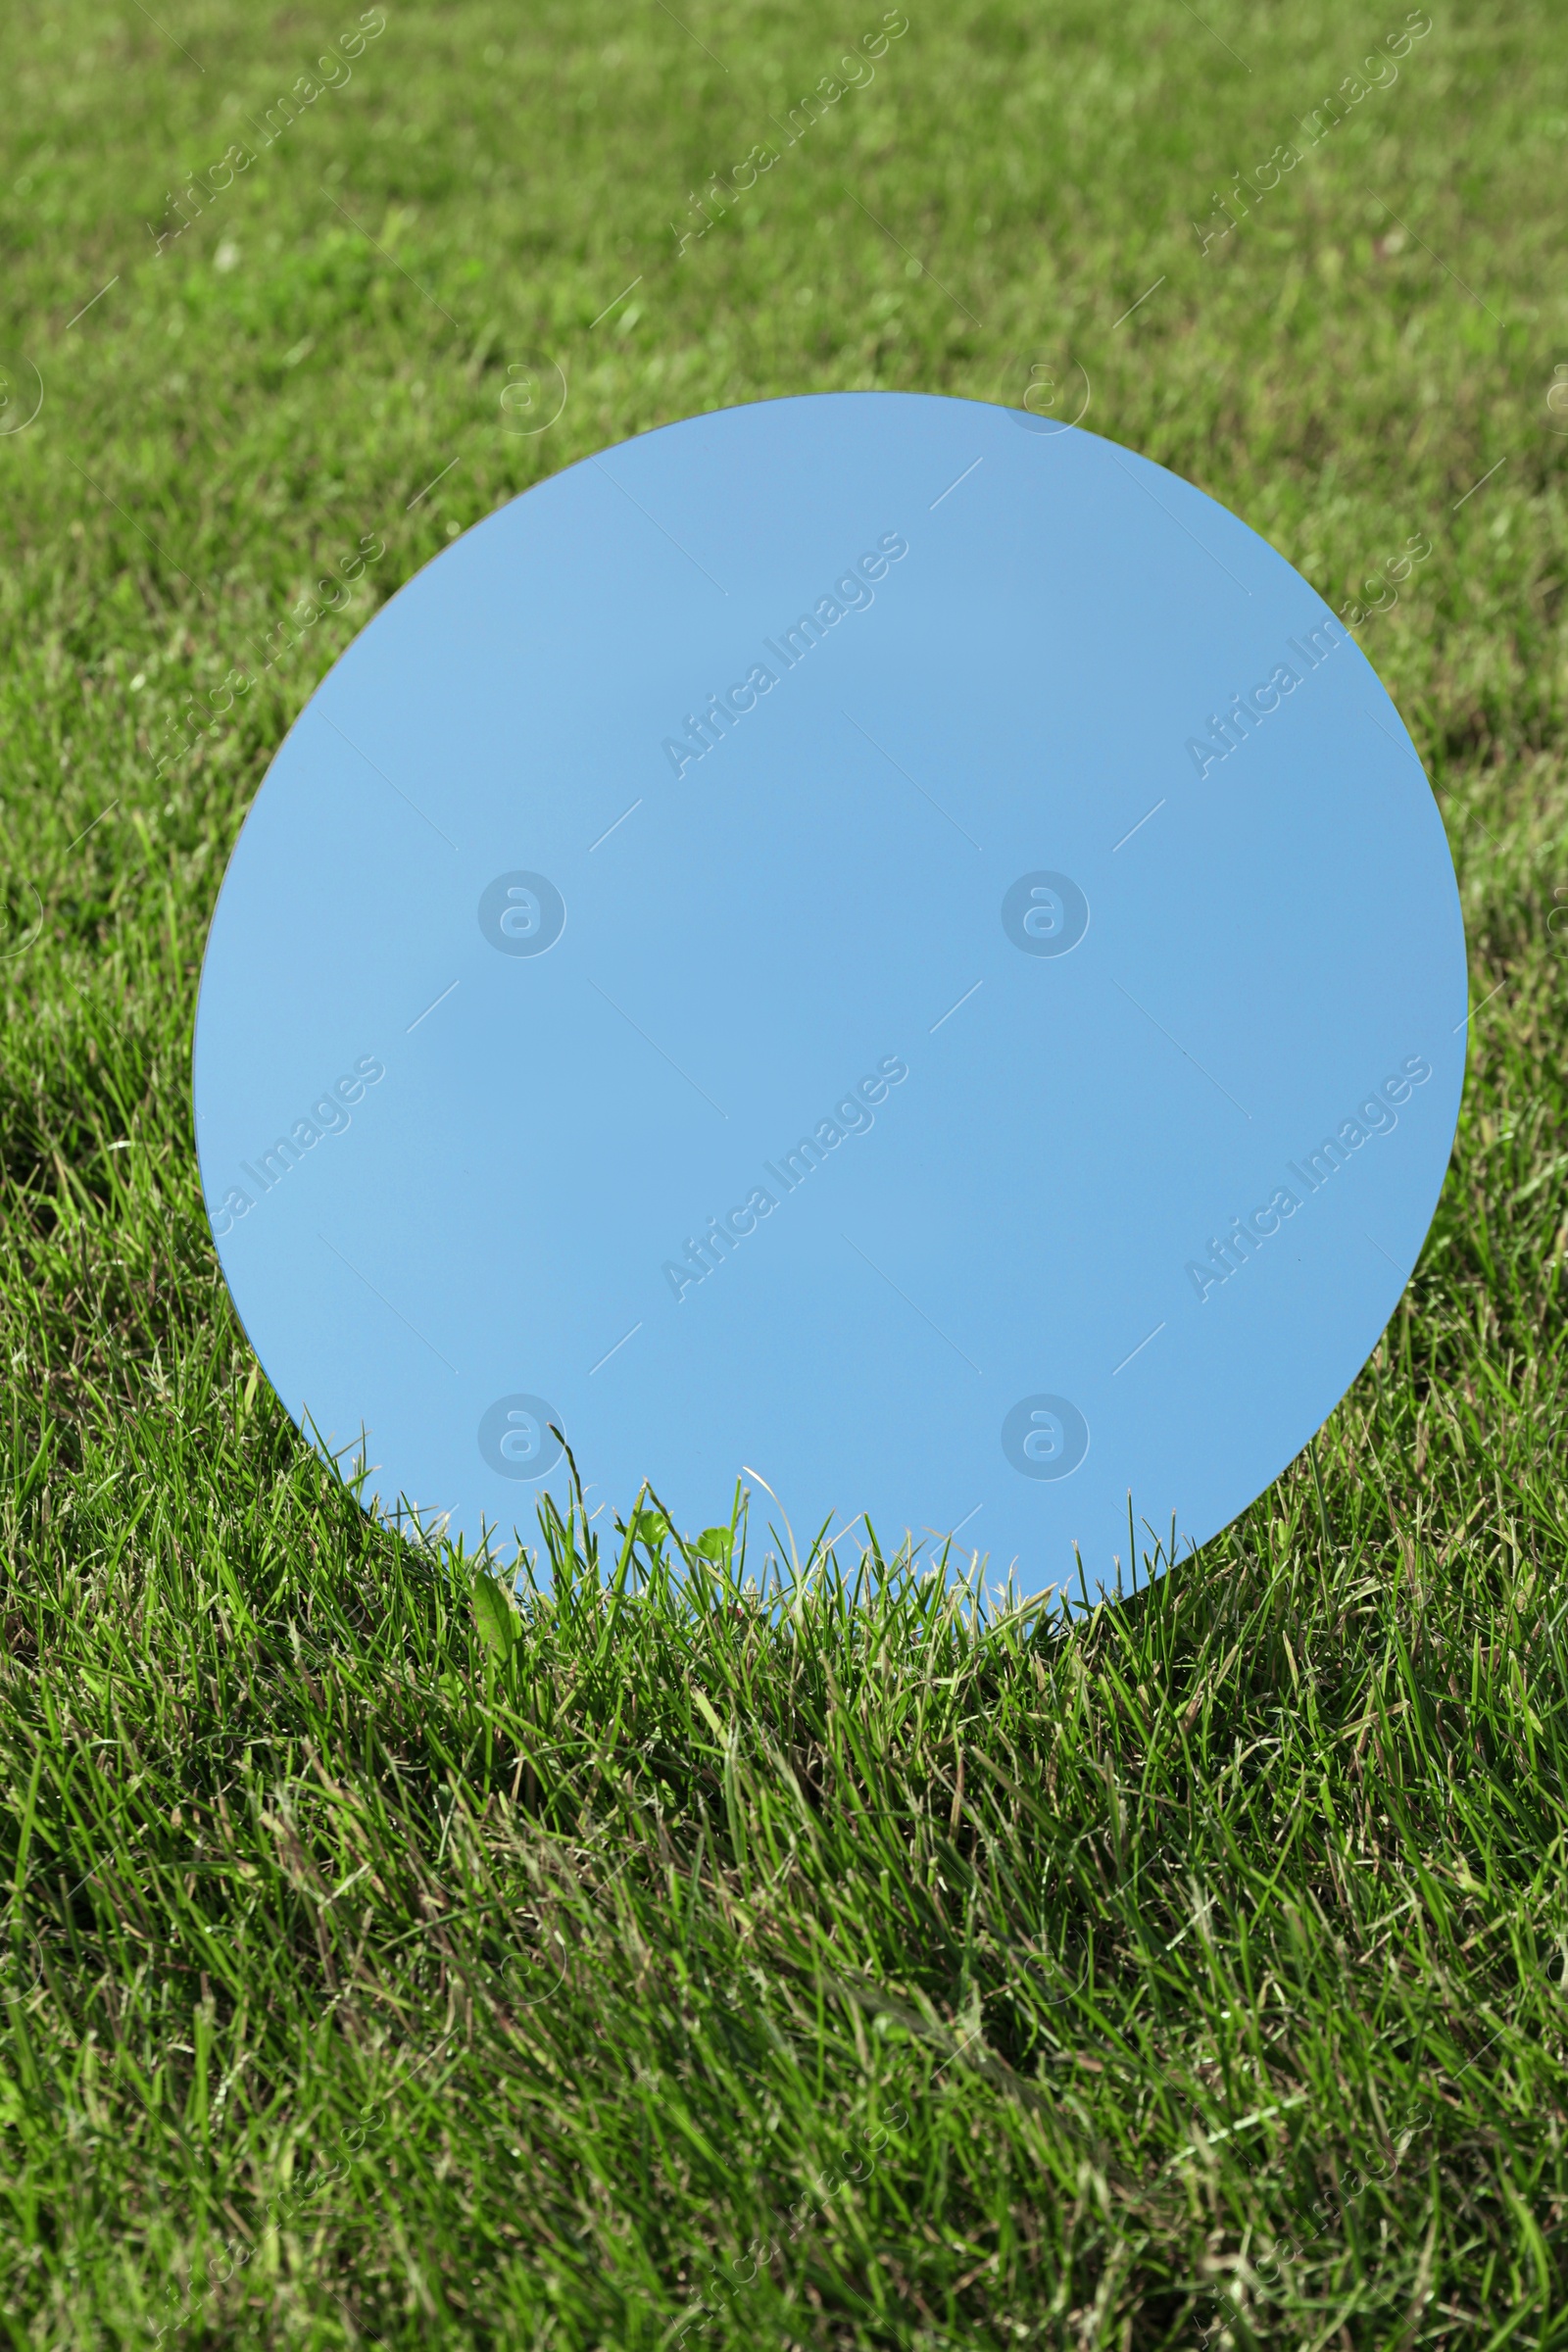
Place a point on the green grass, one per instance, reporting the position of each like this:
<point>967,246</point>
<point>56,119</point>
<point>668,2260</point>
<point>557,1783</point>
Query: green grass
<point>822,1965</point>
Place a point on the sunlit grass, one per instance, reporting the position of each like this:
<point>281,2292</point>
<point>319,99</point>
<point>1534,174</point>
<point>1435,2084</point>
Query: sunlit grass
<point>734,1938</point>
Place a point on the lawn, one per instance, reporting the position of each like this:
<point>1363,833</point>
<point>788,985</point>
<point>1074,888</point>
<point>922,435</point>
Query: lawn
<point>730,1946</point>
